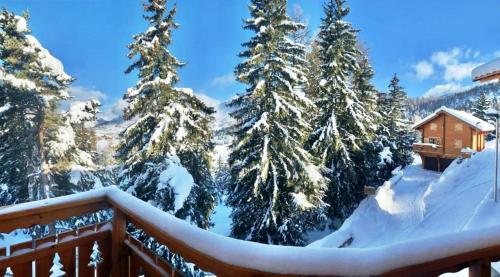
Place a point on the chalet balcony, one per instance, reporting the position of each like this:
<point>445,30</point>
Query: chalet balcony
<point>428,148</point>
<point>125,256</point>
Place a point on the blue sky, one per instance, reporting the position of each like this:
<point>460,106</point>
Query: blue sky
<point>431,44</point>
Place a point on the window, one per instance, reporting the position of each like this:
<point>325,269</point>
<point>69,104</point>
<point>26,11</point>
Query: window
<point>434,126</point>
<point>459,127</point>
<point>458,144</point>
<point>434,140</point>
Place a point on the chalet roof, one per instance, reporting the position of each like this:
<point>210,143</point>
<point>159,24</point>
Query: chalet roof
<point>468,118</point>
<point>486,70</point>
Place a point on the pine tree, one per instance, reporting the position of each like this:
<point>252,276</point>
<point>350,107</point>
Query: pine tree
<point>398,126</point>
<point>481,105</point>
<point>344,125</point>
<point>32,83</point>
<point>166,152</point>
<point>276,188</point>
<point>369,159</point>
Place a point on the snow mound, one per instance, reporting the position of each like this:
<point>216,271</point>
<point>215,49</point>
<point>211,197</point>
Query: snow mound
<point>421,204</point>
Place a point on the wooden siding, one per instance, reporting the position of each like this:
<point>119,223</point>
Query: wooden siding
<point>456,138</point>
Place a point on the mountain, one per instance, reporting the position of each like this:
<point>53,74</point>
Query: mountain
<point>423,106</point>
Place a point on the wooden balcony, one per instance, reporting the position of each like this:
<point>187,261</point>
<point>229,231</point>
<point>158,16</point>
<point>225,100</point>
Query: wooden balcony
<point>125,256</point>
<point>428,148</point>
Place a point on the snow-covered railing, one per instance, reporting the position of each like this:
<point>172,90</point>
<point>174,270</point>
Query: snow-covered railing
<point>421,147</point>
<point>225,256</point>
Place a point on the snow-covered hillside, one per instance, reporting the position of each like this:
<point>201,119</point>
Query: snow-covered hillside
<point>420,203</point>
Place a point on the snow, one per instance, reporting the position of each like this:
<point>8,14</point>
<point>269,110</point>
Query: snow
<point>16,82</point>
<point>310,260</point>
<point>4,108</point>
<point>464,116</point>
<point>417,187</point>
<point>22,25</point>
<point>80,111</point>
<point>46,60</point>
<point>177,177</point>
<point>486,69</point>
<point>385,156</point>
<point>424,204</point>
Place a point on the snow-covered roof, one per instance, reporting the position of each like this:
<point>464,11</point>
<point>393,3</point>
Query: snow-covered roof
<point>486,70</point>
<point>468,118</point>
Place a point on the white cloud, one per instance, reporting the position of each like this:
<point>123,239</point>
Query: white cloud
<point>459,71</point>
<point>222,117</point>
<point>423,70</point>
<point>224,80</point>
<point>443,89</point>
<point>81,93</point>
<point>113,111</point>
<point>497,54</point>
<point>455,68</point>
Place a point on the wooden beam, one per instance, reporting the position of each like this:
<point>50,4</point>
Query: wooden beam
<point>118,254</point>
<point>480,268</point>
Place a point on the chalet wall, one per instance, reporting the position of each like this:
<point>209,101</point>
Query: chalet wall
<point>434,128</point>
<point>458,135</point>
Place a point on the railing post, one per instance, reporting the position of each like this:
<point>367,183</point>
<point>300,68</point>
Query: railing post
<point>480,268</point>
<point>119,256</point>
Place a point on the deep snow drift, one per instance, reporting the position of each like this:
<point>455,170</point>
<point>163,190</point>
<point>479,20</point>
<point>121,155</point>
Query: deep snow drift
<point>421,203</point>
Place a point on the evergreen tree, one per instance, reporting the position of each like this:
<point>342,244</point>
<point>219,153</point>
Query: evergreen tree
<point>369,159</point>
<point>32,83</point>
<point>166,152</point>
<point>480,107</point>
<point>314,75</point>
<point>276,190</point>
<point>398,126</point>
<point>344,126</point>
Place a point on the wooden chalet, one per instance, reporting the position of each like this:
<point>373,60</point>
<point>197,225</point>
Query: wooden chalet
<point>446,133</point>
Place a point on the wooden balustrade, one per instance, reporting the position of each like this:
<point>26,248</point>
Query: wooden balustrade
<point>123,255</point>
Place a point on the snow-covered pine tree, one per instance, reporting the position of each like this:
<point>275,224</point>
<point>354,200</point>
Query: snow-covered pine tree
<point>314,75</point>
<point>166,152</point>
<point>32,83</point>
<point>344,125</point>
<point>370,160</point>
<point>480,106</point>
<point>398,126</point>
<point>276,189</point>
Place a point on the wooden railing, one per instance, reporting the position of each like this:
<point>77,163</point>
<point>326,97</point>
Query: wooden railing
<point>428,148</point>
<point>124,255</point>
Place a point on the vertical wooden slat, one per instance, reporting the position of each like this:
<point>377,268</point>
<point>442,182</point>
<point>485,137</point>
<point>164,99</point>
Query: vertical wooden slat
<point>480,268</point>
<point>84,252</point>
<point>3,253</point>
<point>104,269</point>
<point>43,265</point>
<point>68,257</point>
<point>135,266</point>
<point>24,269</point>
<point>119,257</point>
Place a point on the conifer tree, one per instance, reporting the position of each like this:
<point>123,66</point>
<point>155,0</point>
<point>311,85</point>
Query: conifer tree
<point>481,105</point>
<point>398,126</point>
<point>276,190</point>
<point>32,134</point>
<point>166,151</point>
<point>344,125</point>
<point>369,159</point>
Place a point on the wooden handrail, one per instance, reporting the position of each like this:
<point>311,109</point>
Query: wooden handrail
<point>225,256</point>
